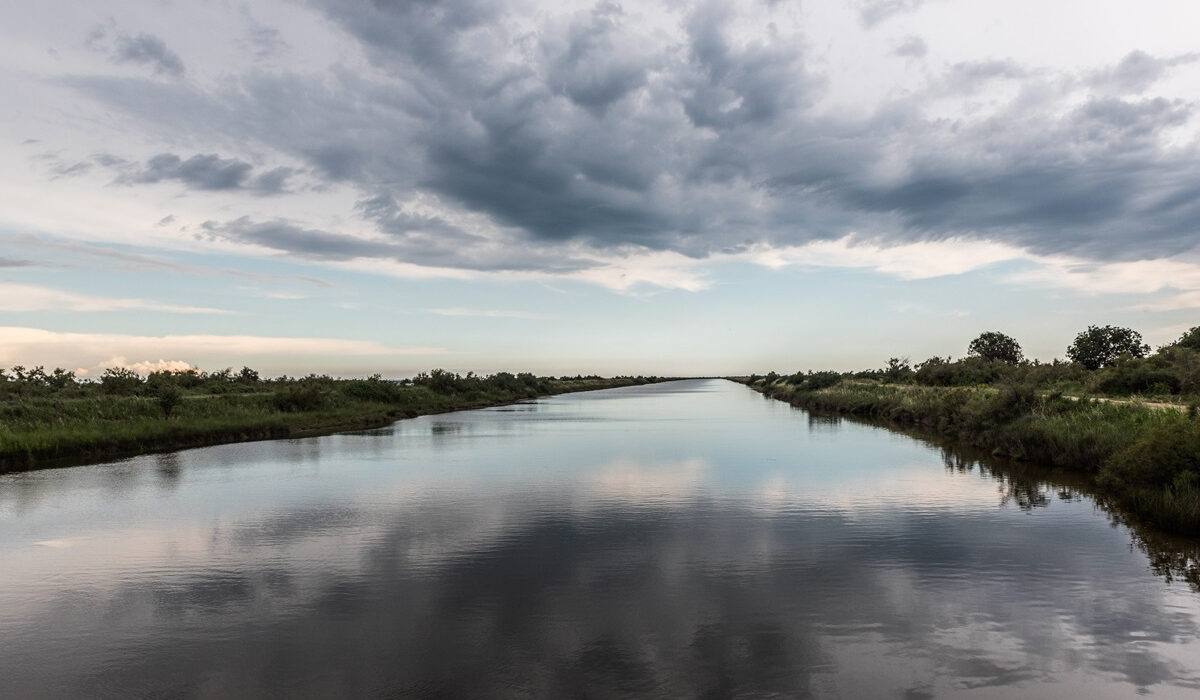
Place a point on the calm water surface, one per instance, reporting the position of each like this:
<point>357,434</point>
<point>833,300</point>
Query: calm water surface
<point>690,539</point>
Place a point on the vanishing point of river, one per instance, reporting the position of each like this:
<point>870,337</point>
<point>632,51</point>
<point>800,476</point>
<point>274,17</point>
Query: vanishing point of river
<point>687,539</point>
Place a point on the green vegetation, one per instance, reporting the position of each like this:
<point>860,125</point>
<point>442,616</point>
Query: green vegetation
<point>1128,421</point>
<point>53,419</point>
<point>994,345</point>
<point>1103,346</point>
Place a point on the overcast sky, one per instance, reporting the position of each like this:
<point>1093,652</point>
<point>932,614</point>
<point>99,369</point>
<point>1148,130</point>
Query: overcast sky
<point>680,187</point>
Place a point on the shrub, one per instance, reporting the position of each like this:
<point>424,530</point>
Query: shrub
<point>970,371</point>
<point>168,397</point>
<point>1167,453</point>
<point>372,389</point>
<point>1136,377</point>
<point>299,396</point>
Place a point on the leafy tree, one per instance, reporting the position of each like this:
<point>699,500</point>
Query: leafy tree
<point>120,380</point>
<point>994,345</point>
<point>225,375</point>
<point>1102,346</point>
<point>898,368</point>
<point>247,376</point>
<point>1190,339</point>
<point>61,378</point>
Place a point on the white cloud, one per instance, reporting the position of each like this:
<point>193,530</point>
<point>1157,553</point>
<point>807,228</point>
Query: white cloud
<point>928,259</point>
<point>664,269</point>
<point>917,260</point>
<point>28,297</point>
<point>146,366</point>
<point>490,313</point>
<point>1136,277</point>
<point>36,346</point>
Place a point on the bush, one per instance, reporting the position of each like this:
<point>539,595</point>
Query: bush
<point>814,380</point>
<point>1012,402</point>
<point>300,396</point>
<point>1166,454</point>
<point>970,371</point>
<point>1136,377</point>
<point>372,389</point>
<point>168,397</point>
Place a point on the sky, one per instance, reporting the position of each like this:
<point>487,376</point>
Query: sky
<point>676,188</point>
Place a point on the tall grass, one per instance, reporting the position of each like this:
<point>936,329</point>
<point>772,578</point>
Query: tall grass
<point>82,424</point>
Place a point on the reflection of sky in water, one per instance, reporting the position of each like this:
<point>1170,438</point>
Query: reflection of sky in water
<point>687,539</point>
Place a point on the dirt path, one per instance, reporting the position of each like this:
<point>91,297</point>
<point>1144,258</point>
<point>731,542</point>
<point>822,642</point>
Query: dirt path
<point>1155,405</point>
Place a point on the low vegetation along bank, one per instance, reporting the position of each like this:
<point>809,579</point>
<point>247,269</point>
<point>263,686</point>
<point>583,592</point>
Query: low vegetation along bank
<point>51,419</point>
<point>1129,422</point>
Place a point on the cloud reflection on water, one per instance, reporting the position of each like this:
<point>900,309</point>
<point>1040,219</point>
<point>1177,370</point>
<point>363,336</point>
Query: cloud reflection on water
<point>640,574</point>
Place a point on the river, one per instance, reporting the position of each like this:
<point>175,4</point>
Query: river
<point>686,539</point>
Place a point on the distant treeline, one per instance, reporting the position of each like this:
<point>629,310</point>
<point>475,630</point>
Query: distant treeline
<point>50,418</point>
<point>122,381</point>
<point>1114,410</point>
<point>1103,360</point>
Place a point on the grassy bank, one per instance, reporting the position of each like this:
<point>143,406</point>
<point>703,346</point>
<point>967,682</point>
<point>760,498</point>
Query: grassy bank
<point>47,422</point>
<point>1144,460</point>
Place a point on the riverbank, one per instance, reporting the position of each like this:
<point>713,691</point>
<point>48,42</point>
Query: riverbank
<point>1147,461</point>
<point>85,425</point>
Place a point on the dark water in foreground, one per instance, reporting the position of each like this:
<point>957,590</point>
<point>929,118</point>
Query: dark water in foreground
<point>689,539</point>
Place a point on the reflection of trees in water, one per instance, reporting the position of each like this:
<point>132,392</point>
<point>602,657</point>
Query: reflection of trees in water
<point>1173,558</point>
<point>1029,486</point>
<point>819,423</point>
<point>168,469</point>
<point>1020,489</point>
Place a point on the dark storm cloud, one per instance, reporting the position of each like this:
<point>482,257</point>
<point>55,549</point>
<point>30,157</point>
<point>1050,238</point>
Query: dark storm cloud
<point>593,66</point>
<point>206,172</point>
<point>144,49</point>
<point>264,41</point>
<point>309,243</point>
<point>149,50</point>
<point>737,87</point>
<point>201,172</point>
<point>411,238</point>
<point>593,130</point>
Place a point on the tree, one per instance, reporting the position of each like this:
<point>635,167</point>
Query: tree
<point>898,368</point>
<point>1190,339</point>
<point>120,380</point>
<point>1102,346</point>
<point>168,397</point>
<point>994,345</point>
